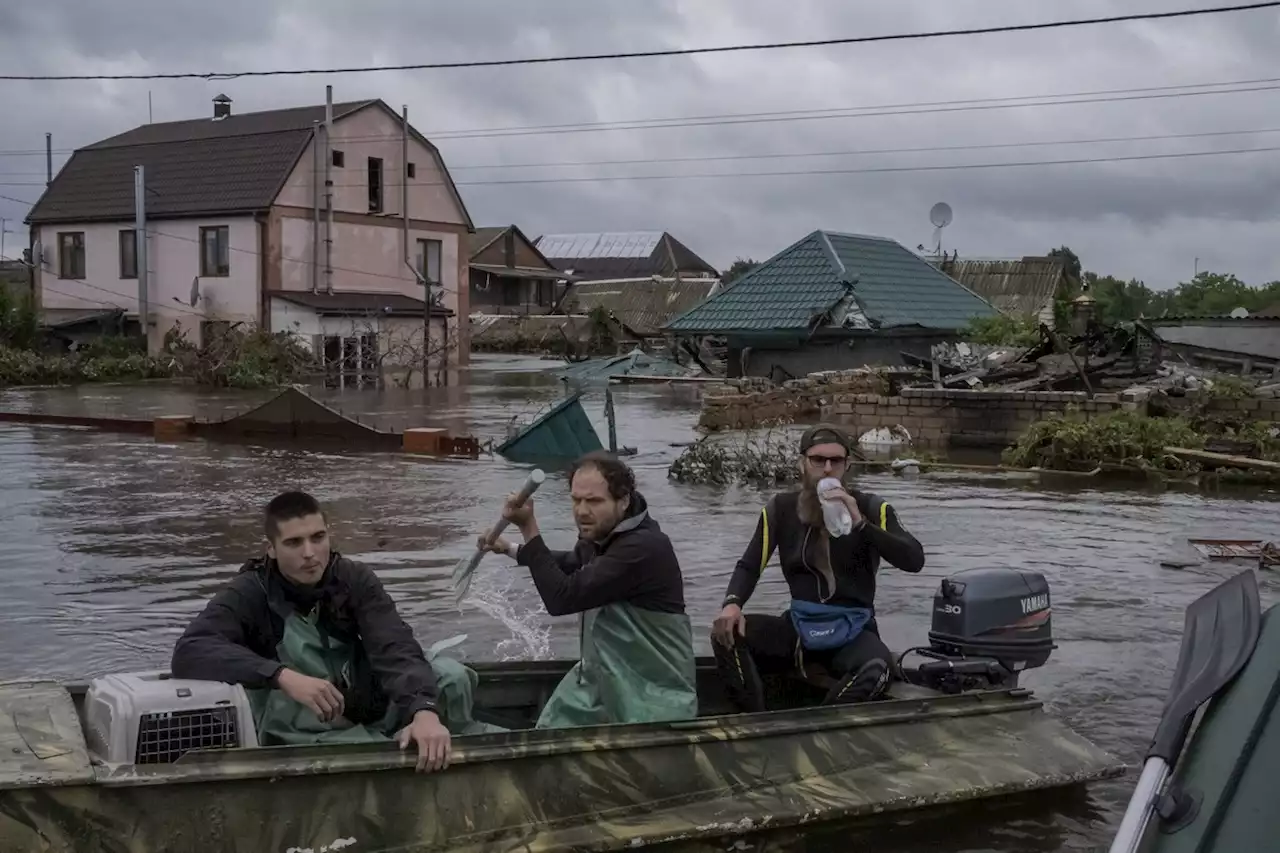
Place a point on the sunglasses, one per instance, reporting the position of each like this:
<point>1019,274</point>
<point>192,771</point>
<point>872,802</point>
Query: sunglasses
<point>818,461</point>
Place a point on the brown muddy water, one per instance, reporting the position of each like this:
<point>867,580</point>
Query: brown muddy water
<point>109,544</point>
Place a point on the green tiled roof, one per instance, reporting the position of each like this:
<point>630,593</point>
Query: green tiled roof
<point>891,285</point>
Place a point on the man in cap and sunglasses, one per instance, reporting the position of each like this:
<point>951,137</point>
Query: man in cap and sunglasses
<point>832,579</point>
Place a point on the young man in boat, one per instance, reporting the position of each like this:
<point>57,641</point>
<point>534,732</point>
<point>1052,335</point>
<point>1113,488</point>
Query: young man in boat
<point>832,580</point>
<point>320,647</point>
<point>637,661</point>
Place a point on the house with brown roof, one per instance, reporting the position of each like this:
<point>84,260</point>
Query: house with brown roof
<point>510,276</point>
<point>270,220</point>
<point>622,255</point>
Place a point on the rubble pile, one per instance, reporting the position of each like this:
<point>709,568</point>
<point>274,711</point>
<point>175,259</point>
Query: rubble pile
<point>1107,360</point>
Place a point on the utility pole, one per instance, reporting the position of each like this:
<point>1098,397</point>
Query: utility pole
<point>140,251</point>
<point>421,275</point>
<point>48,159</point>
<point>4,229</point>
<point>328,188</point>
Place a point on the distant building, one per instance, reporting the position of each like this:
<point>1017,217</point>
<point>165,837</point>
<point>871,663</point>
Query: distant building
<point>622,255</point>
<point>237,232</point>
<point>833,301</point>
<point>1246,345</point>
<point>1025,287</point>
<point>639,307</point>
<point>510,276</point>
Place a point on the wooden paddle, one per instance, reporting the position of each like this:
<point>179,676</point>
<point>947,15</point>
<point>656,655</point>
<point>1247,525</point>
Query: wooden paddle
<point>466,567</point>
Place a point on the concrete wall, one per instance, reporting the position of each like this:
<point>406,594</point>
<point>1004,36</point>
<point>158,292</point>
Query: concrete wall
<point>173,251</point>
<point>780,364</point>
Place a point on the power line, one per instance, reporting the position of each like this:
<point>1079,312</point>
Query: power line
<point>679,121</point>
<point>788,155</point>
<point>491,63</point>
<point>942,167</point>
<point>1264,84</point>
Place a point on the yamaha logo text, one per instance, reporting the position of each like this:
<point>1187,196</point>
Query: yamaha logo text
<point>1035,602</point>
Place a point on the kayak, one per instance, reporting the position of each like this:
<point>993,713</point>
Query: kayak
<point>141,762</point>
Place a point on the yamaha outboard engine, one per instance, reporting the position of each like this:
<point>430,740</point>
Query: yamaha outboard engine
<point>988,626</point>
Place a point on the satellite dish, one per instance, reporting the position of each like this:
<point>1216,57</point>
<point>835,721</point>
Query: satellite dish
<point>940,216</point>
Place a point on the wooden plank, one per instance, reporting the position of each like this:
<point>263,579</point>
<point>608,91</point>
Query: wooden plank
<point>1224,459</point>
<point>41,742</point>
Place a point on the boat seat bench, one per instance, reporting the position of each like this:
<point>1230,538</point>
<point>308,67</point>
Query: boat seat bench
<point>41,741</point>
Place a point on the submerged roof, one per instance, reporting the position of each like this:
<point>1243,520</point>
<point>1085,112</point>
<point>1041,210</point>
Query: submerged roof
<point>830,278</point>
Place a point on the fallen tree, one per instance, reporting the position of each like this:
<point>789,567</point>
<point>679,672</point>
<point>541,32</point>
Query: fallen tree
<point>1140,442</point>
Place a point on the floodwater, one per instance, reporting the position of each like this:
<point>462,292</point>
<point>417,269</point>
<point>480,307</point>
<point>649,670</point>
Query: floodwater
<point>110,543</point>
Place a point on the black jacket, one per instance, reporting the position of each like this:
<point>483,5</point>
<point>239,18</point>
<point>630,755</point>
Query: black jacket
<point>235,638</point>
<point>855,558</point>
<point>635,563</point>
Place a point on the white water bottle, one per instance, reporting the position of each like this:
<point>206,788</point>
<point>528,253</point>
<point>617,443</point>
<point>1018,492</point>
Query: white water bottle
<point>834,513</point>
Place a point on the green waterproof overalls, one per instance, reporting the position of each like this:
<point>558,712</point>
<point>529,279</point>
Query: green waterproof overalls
<point>637,666</point>
<point>306,648</point>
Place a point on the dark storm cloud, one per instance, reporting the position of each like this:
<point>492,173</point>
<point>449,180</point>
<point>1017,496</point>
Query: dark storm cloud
<point>1149,219</point>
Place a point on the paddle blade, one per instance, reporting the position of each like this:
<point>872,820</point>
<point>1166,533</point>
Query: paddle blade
<point>1220,633</point>
<point>463,570</point>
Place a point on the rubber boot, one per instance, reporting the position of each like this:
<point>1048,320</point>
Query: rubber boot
<point>864,684</point>
<point>740,676</point>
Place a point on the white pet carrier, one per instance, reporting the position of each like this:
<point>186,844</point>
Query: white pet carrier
<point>150,718</point>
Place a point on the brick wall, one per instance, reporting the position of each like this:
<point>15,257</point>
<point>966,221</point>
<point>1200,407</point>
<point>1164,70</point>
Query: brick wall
<point>975,418</point>
<point>961,417</point>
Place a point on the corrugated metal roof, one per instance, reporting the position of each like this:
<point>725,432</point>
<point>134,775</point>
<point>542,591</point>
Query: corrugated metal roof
<point>891,287</point>
<point>614,244</point>
<point>1013,286</point>
<point>641,305</point>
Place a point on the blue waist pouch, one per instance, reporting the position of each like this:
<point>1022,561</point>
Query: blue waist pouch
<point>825,626</point>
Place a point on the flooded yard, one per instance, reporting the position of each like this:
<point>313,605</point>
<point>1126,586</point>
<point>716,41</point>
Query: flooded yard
<point>110,543</point>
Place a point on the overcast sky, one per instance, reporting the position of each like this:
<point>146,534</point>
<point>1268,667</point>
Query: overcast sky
<point>1148,219</point>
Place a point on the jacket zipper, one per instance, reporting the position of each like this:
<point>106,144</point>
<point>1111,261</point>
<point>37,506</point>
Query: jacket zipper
<point>804,561</point>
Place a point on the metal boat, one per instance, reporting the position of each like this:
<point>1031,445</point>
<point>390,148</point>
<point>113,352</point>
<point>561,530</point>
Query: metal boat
<point>143,763</point>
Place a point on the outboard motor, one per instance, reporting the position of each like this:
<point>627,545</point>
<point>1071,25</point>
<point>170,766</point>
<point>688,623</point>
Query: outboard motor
<point>988,626</point>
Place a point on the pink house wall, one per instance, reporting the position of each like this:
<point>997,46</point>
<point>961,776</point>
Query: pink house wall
<point>173,261</point>
<point>367,249</point>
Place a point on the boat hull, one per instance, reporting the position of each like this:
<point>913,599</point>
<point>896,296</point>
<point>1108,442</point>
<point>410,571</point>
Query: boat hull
<point>590,788</point>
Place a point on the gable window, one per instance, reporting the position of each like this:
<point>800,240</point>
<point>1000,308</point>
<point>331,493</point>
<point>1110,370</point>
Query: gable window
<point>71,254</point>
<point>215,251</point>
<point>429,259</point>
<point>411,170</point>
<point>375,184</point>
<point>128,253</point>
<point>339,159</point>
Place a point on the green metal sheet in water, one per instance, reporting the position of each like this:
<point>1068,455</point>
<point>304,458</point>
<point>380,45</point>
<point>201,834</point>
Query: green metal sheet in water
<point>636,363</point>
<point>1230,764</point>
<point>564,432</point>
